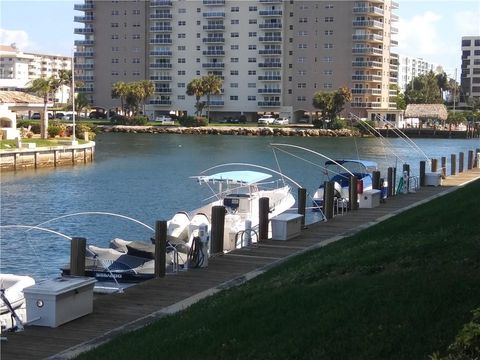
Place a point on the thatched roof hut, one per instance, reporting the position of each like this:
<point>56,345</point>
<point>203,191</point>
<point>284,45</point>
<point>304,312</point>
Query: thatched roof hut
<point>426,111</point>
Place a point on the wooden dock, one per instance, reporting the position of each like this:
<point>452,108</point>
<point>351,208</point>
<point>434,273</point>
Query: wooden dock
<point>141,304</point>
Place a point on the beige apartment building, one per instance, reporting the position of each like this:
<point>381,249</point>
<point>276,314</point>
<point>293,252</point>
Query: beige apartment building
<point>470,75</point>
<point>272,55</point>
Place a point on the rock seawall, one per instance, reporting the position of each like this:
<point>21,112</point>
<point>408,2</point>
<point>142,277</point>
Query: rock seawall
<point>245,131</point>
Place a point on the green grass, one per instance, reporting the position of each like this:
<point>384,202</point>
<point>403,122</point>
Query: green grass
<point>11,144</point>
<point>399,290</point>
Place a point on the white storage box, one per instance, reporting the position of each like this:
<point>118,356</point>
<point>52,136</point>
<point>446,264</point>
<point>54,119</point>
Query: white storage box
<point>433,179</point>
<point>369,198</point>
<point>56,301</point>
<point>286,226</point>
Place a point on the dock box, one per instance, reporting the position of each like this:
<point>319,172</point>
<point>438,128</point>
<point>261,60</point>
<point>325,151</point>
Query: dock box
<point>286,226</point>
<point>56,301</point>
<point>433,179</point>
<point>369,199</point>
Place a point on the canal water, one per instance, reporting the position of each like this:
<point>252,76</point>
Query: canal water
<point>146,177</point>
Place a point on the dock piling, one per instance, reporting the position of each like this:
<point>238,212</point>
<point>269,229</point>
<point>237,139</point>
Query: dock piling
<point>352,193</point>
<point>376,180</point>
<point>329,187</point>
<point>470,160</point>
<point>453,164</point>
<point>444,167</point>
<point>77,256</point>
<point>461,161</point>
<point>302,204</point>
<point>264,209</point>
<point>390,182</point>
<point>218,229</point>
<point>422,172</point>
<point>160,248</point>
<point>434,165</point>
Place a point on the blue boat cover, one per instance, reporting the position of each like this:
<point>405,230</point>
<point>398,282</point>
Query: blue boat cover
<point>237,177</point>
<point>368,164</point>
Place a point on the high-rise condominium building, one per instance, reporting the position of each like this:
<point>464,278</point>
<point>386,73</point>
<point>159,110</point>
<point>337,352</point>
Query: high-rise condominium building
<point>411,67</point>
<point>470,76</point>
<point>272,55</point>
<point>18,69</point>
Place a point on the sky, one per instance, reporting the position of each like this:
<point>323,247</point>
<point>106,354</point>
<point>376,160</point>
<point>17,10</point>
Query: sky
<point>429,29</point>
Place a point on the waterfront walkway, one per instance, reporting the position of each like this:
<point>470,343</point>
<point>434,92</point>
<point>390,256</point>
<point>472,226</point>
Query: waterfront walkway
<point>140,305</point>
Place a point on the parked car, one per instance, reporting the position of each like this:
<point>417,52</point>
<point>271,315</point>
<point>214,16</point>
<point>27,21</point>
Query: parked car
<point>266,119</point>
<point>36,116</point>
<point>281,121</point>
<point>304,120</point>
<point>164,119</point>
<point>97,115</point>
<point>60,116</point>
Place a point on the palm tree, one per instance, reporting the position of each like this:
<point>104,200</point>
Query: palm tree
<point>81,104</point>
<point>148,90</point>
<point>120,90</point>
<point>195,88</point>
<point>43,87</point>
<point>212,85</point>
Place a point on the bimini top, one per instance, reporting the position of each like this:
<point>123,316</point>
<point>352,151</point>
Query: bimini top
<point>235,177</point>
<point>369,165</point>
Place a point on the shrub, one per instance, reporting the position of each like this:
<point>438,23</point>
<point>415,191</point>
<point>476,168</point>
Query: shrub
<point>53,130</point>
<point>190,121</point>
<point>138,120</point>
<point>81,129</point>
<point>118,120</point>
<point>338,124</point>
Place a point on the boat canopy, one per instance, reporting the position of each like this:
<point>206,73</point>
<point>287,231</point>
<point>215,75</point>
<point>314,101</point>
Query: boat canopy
<point>235,177</point>
<point>367,164</point>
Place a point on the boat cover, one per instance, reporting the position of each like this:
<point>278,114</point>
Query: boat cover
<point>245,177</point>
<point>368,164</point>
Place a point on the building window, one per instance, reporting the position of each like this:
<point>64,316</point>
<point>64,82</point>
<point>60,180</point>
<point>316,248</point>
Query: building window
<point>327,72</point>
<point>135,36</point>
<point>328,32</point>
<point>233,72</point>
<point>136,61</point>
<point>181,85</point>
<point>114,25</point>
<point>328,18</point>
<point>181,72</point>
<point>114,61</point>
<point>328,46</point>
<point>252,21</point>
<point>136,25</point>
<point>301,98</point>
<point>302,85</point>
<point>115,37</point>
<point>114,73</point>
<point>181,97</point>
<point>234,60</point>
<point>302,20</point>
<point>327,86</point>
<point>182,36</point>
<point>234,97</point>
<point>252,85</point>
<point>252,60</point>
<point>181,48</point>
<point>182,23</point>
<point>233,47</point>
<point>114,12</point>
<point>327,59</point>
<point>182,11</point>
<point>252,47</point>
<point>252,8</point>
<point>252,34</point>
<point>136,73</point>
<point>251,98</point>
<point>302,72</point>
<point>234,35</point>
<point>329,6</point>
<point>302,33</point>
<point>115,48</point>
<point>136,12</point>
<point>302,46</point>
<point>235,22</point>
<point>234,85</point>
<point>252,72</point>
<point>235,9</point>
<point>181,60</point>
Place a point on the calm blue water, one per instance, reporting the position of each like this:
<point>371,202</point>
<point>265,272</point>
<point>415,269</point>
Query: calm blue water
<point>146,177</point>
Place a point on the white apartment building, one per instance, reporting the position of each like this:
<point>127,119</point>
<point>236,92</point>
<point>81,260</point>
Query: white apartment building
<point>470,75</point>
<point>18,69</point>
<point>272,55</point>
<point>410,67</point>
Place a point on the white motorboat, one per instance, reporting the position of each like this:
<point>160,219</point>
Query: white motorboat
<point>12,300</point>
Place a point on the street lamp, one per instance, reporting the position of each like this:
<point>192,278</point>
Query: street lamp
<point>73,97</point>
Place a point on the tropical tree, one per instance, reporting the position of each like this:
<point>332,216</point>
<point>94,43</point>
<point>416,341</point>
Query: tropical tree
<point>423,89</point>
<point>455,118</point>
<point>148,90</point>
<point>195,88</point>
<point>331,104</point>
<point>44,87</point>
<point>399,97</point>
<point>442,82</point>
<point>120,90</point>
<point>81,103</point>
<point>212,85</point>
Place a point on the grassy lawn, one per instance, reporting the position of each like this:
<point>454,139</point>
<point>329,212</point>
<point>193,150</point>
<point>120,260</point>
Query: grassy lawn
<point>11,144</point>
<point>399,290</point>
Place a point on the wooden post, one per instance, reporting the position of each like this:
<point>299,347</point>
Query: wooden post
<point>263,210</point>
<point>394,180</point>
<point>460,162</point>
<point>422,173</point>
<point>35,156</point>
<point>218,229</point>
<point>391,185</point>
<point>453,164</point>
<point>352,193</point>
<point>376,180</point>
<point>84,155</point>
<point>55,158</point>
<point>434,165</point>
<point>470,160</point>
<point>329,187</point>
<point>444,167</point>
<point>77,256</point>
<point>302,204</point>
<point>73,156</point>
<point>160,248</point>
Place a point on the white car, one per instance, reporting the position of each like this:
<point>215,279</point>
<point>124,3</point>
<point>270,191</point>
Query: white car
<point>281,121</point>
<point>164,119</point>
<point>266,119</point>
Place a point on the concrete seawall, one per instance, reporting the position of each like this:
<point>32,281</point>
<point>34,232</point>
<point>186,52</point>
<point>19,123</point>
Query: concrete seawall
<point>32,158</point>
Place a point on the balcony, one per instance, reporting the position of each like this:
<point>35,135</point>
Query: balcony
<point>161,41</point>
<point>268,103</point>
<point>270,26</point>
<point>270,52</point>
<point>393,67</point>
<point>83,7</point>
<point>368,78</point>
<point>270,65</point>
<point>271,1</point>
<point>215,27</point>
<point>367,64</point>
<point>85,54</point>
<point>163,90</point>
<point>368,38</point>
<point>161,53</point>
<point>370,24</point>
<point>160,102</point>
<point>270,39</point>
<point>367,50</point>
<point>160,66</point>
<point>214,2</point>
<point>213,40</point>
<point>217,102</point>
<point>161,29</point>
<point>214,52</point>
<point>83,31</point>
<point>212,65</point>
<point>394,5</point>
<point>160,3</point>
<point>393,43</point>
<point>84,42</point>
<point>85,66</point>
<point>270,13</point>
<point>85,90</point>
<point>269,91</point>
<point>394,17</point>
<point>368,10</point>
<point>84,19</point>
<point>160,78</point>
<point>85,78</point>
<point>158,16</point>
<point>269,78</point>
<point>214,14</point>
<point>394,30</point>
<point>367,91</point>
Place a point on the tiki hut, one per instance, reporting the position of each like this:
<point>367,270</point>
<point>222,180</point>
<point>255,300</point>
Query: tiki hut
<point>427,112</point>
